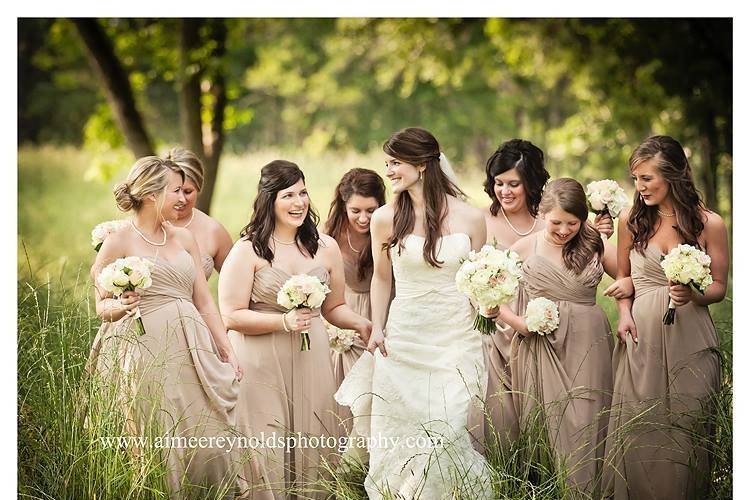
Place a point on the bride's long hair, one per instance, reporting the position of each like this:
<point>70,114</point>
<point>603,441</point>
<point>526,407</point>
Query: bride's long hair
<point>417,146</point>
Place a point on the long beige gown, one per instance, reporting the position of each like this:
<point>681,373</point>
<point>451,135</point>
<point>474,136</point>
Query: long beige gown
<point>287,392</point>
<point>666,380</point>
<point>175,384</point>
<point>566,375</point>
<point>496,424</point>
<point>357,297</point>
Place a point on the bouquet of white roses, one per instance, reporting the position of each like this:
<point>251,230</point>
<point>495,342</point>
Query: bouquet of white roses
<point>104,229</point>
<point>339,339</point>
<point>542,316</point>
<point>302,290</point>
<point>489,278</point>
<point>126,275</point>
<point>606,196</point>
<point>686,265</point>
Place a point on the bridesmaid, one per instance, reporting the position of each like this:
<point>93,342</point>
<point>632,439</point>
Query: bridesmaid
<point>359,193</point>
<point>565,377</point>
<point>182,374</point>
<point>665,374</point>
<point>515,178</point>
<point>213,239</point>
<point>286,391</point>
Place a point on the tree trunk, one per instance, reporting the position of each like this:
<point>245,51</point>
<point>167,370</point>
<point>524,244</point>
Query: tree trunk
<point>190,89</point>
<point>117,87</point>
<point>710,160</point>
<point>213,137</point>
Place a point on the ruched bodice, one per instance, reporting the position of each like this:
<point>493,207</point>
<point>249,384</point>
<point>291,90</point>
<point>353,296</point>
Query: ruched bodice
<point>646,271</point>
<point>268,282</point>
<point>542,278</point>
<point>170,281</point>
<point>207,264</point>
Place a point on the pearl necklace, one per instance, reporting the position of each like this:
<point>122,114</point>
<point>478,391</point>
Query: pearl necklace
<point>348,240</point>
<point>148,240</point>
<point>283,242</point>
<point>192,214</point>
<point>666,215</point>
<point>519,233</point>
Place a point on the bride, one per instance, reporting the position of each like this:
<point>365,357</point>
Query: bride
<point>413,396</point>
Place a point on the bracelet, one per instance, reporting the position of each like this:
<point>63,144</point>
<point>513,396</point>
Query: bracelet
<point>283,322</point>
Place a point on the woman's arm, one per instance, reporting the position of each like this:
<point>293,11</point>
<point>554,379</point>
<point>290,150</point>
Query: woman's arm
<point>625,324</point>
<point>518,323</point>
<point>334,308</point>
<point>609,259</point>
<point>477,229</point>
<point>381,228</point>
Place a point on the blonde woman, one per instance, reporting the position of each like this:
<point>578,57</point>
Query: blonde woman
<point>213,239</point>
<point>182,375</point>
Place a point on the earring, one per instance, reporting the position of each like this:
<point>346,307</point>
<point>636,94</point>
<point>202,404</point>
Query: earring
<point>420,174</point>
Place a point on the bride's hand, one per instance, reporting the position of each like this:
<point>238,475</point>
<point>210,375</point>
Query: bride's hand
<point>377,341</point>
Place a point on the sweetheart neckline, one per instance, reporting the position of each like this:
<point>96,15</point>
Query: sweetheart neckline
<point>441,236</point>
<point>289,274</point>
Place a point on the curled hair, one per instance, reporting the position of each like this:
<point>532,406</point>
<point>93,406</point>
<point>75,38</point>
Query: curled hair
<point>189,163</point>
<point>673,165</point>
<point>275,176</point>
<point>568,194</point>
<point>417,146</point>
<point>148,175</point>
<point>528,160</point>
<point>362,182</point>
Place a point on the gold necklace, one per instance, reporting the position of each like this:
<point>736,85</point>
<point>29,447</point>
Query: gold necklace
<point>666,215</point>
<point>550,243</point>
<point>519,233</point>
<point>283,242</point>
<point>348,240</point>
<point>148,240</point>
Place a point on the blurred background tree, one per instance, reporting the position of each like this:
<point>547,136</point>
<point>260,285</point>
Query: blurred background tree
<point>585,90</point>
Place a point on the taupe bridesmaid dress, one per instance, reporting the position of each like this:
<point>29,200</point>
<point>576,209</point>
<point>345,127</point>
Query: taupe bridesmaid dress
<point>178,384</point>
<point>207,263</point>
<point>357,297</point>
<point>496,425</point>
<point>666,379</point>
<point>567,374</point>
<point>286,391</point>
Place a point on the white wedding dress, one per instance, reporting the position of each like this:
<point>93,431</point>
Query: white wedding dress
<point>433,372</point>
